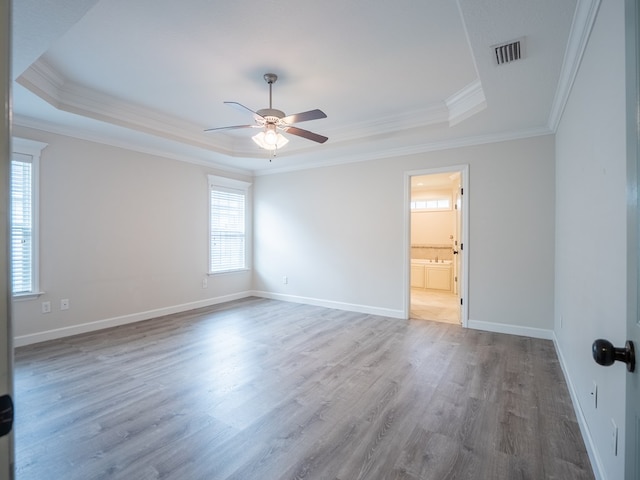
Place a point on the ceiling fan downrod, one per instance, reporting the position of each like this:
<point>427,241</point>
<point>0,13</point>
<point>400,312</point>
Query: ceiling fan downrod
<point>270,78</point>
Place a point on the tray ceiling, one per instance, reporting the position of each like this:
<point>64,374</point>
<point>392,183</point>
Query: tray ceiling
<point>393,78</point>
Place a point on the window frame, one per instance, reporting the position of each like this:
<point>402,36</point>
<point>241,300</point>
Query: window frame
<point>224,184</point>
<point>33,149</point>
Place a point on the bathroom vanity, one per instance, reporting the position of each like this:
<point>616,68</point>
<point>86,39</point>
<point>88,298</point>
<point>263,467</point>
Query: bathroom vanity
<point>431,274</point>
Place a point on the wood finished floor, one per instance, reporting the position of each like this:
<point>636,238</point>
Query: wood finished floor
<point>262,389</point>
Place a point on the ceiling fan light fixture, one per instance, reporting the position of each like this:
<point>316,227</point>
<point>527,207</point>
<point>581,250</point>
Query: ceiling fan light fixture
<point>270,140</point>
<point>270,135</point>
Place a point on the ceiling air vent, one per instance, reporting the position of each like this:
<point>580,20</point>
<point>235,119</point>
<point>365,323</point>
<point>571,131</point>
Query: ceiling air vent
<point>509,52</point>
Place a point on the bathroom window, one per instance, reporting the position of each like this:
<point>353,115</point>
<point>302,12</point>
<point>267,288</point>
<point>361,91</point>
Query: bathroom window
<point>227,225</point>
<point>432,204</point>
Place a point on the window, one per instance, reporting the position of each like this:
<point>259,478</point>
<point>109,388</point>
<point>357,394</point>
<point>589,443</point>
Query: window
<point>24,217</point>
<point>435,204</point>
<point>227,224</point>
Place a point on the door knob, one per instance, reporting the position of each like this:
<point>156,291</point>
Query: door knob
<point>604,353</point>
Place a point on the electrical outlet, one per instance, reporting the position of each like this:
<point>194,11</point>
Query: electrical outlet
<point>285,280</point>
<point>614,438</point>
<point>46,307</point>
<point>594,394</point>
<point>64,304</point>
<point>204,283</point>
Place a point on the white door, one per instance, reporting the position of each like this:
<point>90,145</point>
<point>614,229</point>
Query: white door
<point>632,424</point>
<point>462,228</point>
<point>6,349</point>
<point>457,242</point>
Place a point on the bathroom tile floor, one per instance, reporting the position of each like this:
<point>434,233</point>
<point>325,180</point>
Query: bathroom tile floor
<point>434,305</point>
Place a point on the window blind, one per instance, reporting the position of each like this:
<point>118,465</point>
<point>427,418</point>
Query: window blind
<point>22,212</point>
<point>227,248</point>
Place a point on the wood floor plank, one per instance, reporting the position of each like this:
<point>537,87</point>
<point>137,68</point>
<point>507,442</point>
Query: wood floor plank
<point>262,389</point>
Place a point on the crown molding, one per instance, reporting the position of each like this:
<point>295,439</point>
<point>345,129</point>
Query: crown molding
<point>208,159</point>
<point>211,162</point>
<point>466,103</point>
<point>425,117</point>
<point>42,79</point>
<point>433,146</point>
<point>581,27</point>
<point>27,146</point>
<point>458,107</point>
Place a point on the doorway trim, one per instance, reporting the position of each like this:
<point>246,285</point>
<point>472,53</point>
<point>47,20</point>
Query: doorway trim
<point>463,281</point>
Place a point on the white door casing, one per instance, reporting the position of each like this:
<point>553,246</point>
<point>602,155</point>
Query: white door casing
<point>463,236</point>
<point>632,414</point>
<point>6,343</point>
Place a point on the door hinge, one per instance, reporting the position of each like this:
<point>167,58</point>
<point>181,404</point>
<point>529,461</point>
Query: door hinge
<point>462,246</point>
<point>461,301</point>
<point>462,191</point>
<point>6,415</point>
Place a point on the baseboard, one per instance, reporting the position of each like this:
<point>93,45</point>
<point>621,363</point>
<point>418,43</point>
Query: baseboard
<point>511,329</point>
<point>140,316</point>
<point>594,458</point>
<point>351,307</point>
<point>56,333</point>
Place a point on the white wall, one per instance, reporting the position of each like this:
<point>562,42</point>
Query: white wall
<point>338,233</point>
<point>123,236</point>
<point>591,233</point>
<point>433,228</point>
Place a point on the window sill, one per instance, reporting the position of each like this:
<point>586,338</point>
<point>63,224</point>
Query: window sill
<point>20,297</point>
<point>227,272</point>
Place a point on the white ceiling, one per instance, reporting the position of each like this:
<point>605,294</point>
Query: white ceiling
<point>394,78</point>
<point>435,181</point>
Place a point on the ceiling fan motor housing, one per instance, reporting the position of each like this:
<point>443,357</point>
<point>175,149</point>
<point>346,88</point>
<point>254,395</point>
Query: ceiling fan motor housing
<point>271,115</point>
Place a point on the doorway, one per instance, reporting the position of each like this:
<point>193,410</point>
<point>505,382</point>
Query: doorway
<point>435,255</point>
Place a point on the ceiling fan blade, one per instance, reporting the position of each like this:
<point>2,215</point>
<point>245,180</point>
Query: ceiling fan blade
<point>306,134</point>
<point>232,127</point>
<point>239,106</point>
<point>304,116</point>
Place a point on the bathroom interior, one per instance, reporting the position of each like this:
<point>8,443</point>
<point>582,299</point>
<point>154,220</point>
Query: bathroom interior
<point>435,260</point>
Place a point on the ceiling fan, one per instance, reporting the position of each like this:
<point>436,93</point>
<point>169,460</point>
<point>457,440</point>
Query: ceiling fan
<point>272,121</point>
